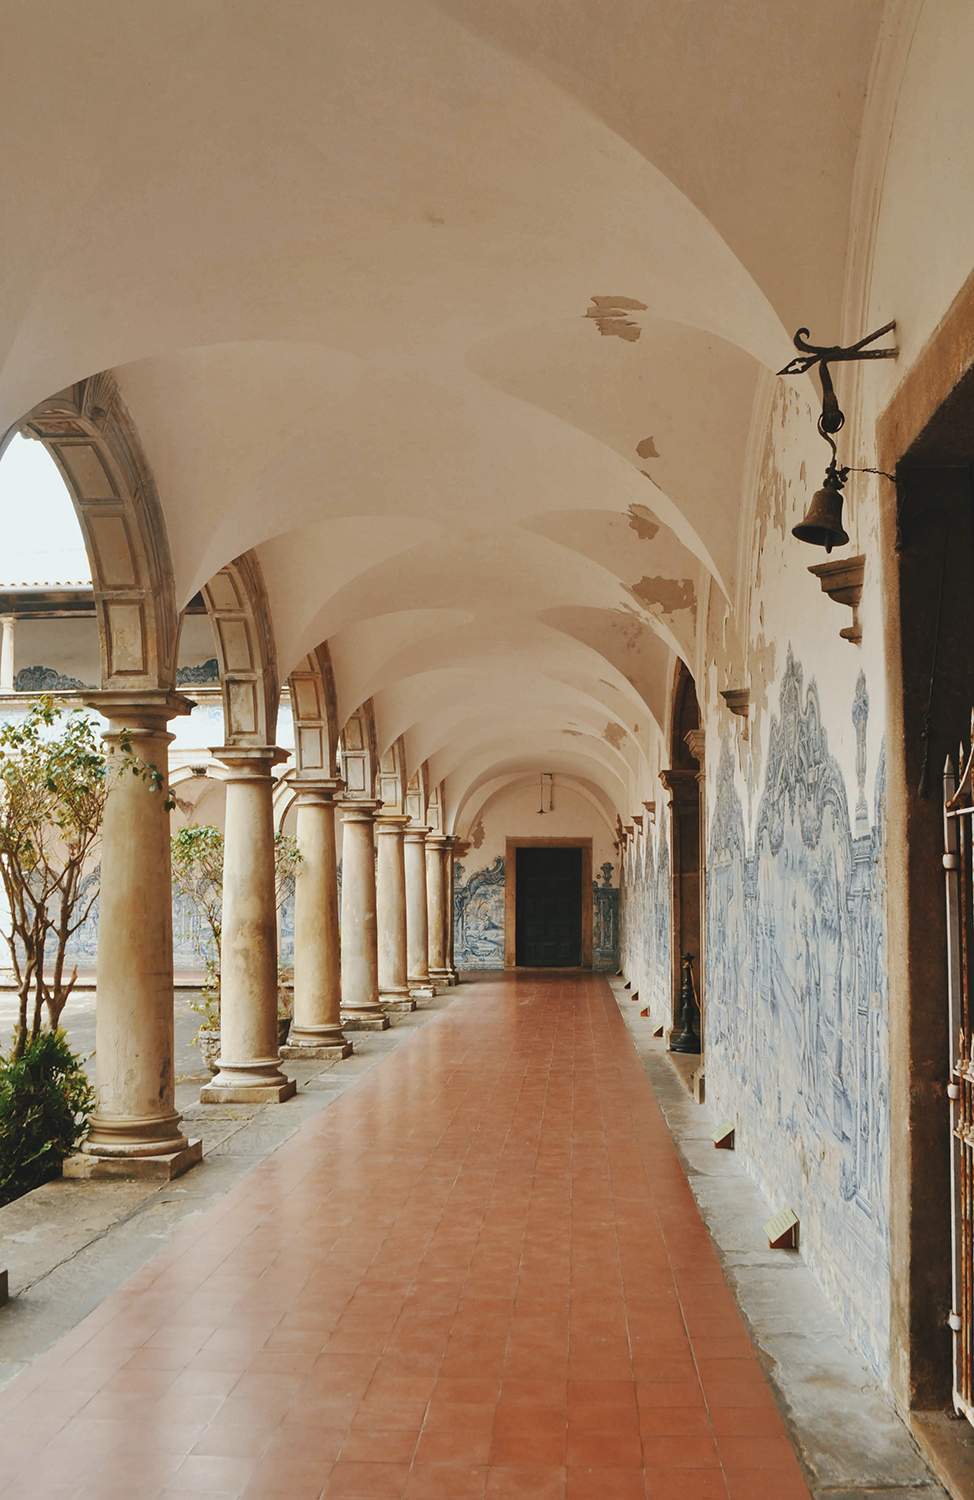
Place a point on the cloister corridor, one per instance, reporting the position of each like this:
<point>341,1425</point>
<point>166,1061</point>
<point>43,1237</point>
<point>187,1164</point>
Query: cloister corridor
<point>480,1272</point>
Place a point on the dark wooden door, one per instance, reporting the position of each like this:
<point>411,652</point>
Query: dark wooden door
<point>548,931</point>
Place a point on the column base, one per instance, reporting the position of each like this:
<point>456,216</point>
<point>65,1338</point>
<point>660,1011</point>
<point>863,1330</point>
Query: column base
<point>440,976</point>
<point>397,1003</point>
<point>248,1093</point>
<point>423,992</point>
<point>297,1052</point>
<point>366,1021</point>
<point>90,1165</point>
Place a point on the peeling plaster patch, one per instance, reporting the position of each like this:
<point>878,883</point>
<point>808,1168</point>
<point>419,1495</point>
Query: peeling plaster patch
<point>670,594</point>
<point>643,522</point>
<point>478,834</point>
<point>575,733</point>
<point>610,316</point>
<point>614,734</point>
<point>647,448</point>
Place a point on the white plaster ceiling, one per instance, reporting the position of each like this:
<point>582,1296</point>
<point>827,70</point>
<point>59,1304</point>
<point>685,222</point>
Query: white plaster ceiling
<point>343,259</point>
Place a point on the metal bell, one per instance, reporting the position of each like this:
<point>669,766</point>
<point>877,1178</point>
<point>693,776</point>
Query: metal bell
<point>822,525</point>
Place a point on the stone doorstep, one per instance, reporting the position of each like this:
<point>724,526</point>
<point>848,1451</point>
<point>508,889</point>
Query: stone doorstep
<point>137,1168</point>
<point>366,1023</point>
<point>267,1093</point>
<point>947,1443</point>
<point>296,1053</point>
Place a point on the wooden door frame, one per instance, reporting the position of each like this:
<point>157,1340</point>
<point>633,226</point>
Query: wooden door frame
<point>510,893</point>
<point>924,435</point>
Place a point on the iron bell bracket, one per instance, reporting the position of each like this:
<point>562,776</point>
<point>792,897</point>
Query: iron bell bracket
<point>832,419</point>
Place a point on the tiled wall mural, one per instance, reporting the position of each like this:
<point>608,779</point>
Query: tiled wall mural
<point>646,922</point>
<point>797,1001</point>
<point>605,922</point>
<point>478,912</point>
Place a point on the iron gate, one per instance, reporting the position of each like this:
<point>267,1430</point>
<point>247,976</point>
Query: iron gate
<point>959,876</point>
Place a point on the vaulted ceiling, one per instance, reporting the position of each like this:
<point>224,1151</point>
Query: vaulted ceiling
<point>455,312</point>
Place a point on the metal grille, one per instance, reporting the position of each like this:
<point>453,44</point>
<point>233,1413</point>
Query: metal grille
<point>959,876</point>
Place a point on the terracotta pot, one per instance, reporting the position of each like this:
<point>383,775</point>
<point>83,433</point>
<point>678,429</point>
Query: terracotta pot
<point>209,1044</point>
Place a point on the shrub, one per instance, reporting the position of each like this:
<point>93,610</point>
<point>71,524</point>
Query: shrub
<point>45,1101</point>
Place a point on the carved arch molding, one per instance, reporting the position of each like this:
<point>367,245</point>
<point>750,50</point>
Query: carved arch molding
<point>90,435</point>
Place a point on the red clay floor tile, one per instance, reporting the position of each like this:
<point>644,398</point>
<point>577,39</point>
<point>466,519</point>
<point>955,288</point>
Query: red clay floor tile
<point>478,1275</point>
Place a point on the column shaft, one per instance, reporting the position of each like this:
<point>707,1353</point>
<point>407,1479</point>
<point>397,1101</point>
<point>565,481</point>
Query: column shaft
<point>316,1027</point>
<point>417,913</point>
<point>436,901</point>
<point>248,1061</point>
<point>451,967</point>
<point>135,1115</point>
<point>390,877</point>
<point>7,666</point>
<point>360,956</point>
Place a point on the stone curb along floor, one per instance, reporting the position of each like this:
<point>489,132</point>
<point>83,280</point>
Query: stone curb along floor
<point>847,1433</point>
<point>68,1245</point>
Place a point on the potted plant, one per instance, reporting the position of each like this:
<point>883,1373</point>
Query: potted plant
<point>197,870</point>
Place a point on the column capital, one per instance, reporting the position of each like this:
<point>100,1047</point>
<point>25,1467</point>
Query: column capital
<point>148,709</point>
<point>438,840</point>
<point>391,822</point>
<point>358,809</point>
<point>249,762</point>
<point>415,833</point>
<point>312,789</point>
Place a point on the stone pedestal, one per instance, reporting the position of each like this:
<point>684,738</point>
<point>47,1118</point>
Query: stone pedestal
<point>248,1061</point>
<point>316,1027</point>
<point>417,914</point>
<point>436,894</point>
<point>135,1118</point>
<point>390,877</point>
<point>360,958</point>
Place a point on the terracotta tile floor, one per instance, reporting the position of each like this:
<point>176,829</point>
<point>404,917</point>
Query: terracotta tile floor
<point>479,1273</point>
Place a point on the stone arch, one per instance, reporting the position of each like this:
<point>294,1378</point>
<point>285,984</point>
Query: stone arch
<point>236,602</point>
<point>315,714</point>
<point>359,760</point>
<point>434,809</point>
<point>392,777</point>
<point>416,794</point>
<point>90,434</point>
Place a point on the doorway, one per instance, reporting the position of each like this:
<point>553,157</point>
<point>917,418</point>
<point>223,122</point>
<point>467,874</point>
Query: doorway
<point>548,921</point>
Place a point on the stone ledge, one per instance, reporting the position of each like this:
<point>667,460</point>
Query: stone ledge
<point>267,1093</point>
<point>947,1443</point>
<point>135,1168</point>
<point>366,1023</point>
<point>294,1053</point>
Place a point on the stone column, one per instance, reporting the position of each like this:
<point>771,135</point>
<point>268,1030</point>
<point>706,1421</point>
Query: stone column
<point>451,968</point>
<point>316,1027</point>
<point>7,667</point>
<point>361,1010</point>
<point>436,850</point>
<point>135,1130</point>
<point>417,912</point>
<point>248,1061</point>
<point>390,879</point>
